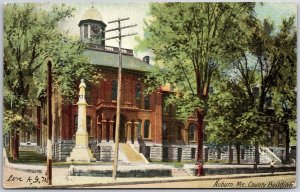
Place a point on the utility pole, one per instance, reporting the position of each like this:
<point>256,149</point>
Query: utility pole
<point>119,28</point>
<point>49,123</point>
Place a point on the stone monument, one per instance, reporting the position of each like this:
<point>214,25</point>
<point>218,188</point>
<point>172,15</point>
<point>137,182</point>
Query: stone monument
<point>81,152</point>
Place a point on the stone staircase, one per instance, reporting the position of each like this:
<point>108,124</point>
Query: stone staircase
<point>179,172</point>
<point>132,155</point>
<point>267,156</point>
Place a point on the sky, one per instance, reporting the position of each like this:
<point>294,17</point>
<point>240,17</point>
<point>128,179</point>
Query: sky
<point>138,12</point>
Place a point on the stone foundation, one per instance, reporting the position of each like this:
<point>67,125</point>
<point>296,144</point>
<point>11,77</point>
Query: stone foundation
<point>157,152</point>
<point>63,148</point>
<point>106,153</point>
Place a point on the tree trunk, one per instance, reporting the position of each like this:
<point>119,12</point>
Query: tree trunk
<point>15,145</point>
<point>230,154</point>
<point>238,153</point>
<point>287,144</point>
<point>200,116</point>
<point>256,153</point>
<point>11,143</point>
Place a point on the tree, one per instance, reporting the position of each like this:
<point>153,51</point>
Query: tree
<point>187,40</point>
<point>262,65</point>
<point>227,107</point>
<point>31,37</point>
<point>284,94</point>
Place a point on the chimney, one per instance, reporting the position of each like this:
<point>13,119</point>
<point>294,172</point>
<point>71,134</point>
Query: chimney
<point>146,59</point>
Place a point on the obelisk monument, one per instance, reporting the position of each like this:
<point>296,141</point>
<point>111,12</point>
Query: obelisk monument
<point>81,152</point>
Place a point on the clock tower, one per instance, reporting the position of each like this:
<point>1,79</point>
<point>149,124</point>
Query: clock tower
<point>92,27</point>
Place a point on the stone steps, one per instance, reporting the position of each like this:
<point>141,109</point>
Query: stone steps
<point>132,155</point>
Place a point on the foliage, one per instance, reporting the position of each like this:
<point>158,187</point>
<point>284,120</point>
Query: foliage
<point>31,37</point>
<point>265,69</point>
<point>15,121</point>
<point>187,40</point>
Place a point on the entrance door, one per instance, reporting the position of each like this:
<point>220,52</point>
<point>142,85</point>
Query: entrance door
<point>122,131</point>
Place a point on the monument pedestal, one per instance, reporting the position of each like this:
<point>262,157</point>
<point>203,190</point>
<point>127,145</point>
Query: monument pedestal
<point>81,152</point>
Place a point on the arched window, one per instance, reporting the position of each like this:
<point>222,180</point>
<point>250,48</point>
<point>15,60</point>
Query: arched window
<point>179,127</point>
<point>85,31</point>
<point>192,128</point>
<point>165,126</point>
<point>147,102</point>
<point>138,94</point>
<point>146,128</point>
<point>114,90</point>
<point>139,129</point>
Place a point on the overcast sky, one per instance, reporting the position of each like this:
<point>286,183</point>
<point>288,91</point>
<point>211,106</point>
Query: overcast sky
<point>137,12</point>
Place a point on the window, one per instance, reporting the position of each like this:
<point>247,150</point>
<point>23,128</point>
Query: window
<point>147,102</point>
<point>85,31</point>
<point>243,154</point>
<point>280,139</point>
<point>193,153</point>
<point>179,127</point>
<point>165,131</point>
<point>114,90</point>
<point>192,128</point>
<point>139,129</point>
<point>165,153</point>
<point>146,128</point>
<point>219,154</point>
<point>138,95</point>
<point>164,107</point>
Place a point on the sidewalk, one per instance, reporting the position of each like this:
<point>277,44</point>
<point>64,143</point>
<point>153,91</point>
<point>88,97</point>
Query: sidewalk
<point>61,180</point>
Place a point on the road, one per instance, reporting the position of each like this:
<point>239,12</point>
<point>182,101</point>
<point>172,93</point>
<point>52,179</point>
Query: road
<point>285,181</point>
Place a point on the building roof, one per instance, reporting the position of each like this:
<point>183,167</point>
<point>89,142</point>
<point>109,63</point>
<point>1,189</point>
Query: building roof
<point>107,59</point>
<point>93,14</point>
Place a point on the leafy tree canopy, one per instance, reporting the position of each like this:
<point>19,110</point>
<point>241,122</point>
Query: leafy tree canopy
<point>187,40</point>
<point>31,38</point>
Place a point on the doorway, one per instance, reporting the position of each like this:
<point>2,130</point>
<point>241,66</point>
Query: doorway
<point>122,131</point>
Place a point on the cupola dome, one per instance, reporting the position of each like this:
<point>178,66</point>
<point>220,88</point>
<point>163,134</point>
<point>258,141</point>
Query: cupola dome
<point>92,27</point>
<point>92,14</point>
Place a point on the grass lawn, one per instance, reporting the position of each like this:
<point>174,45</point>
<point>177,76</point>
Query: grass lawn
<point>32,157</point>
<point>29,157</point>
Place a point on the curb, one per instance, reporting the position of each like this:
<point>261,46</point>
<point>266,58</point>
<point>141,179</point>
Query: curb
<point>159,181</point>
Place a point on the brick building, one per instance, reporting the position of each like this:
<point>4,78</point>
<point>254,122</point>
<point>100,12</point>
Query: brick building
<point>143,124</point>
<point>146,124</point>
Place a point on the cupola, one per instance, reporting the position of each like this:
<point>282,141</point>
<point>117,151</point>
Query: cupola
<point>92,27</point>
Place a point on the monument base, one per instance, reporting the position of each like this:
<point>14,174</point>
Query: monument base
<point>81,154</point>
